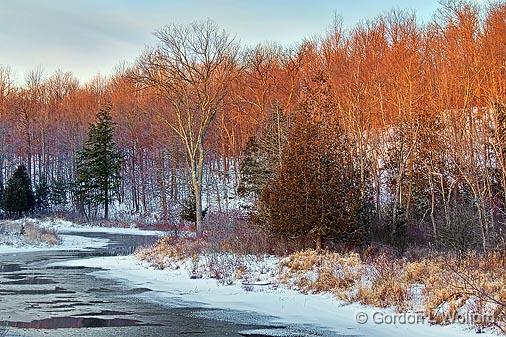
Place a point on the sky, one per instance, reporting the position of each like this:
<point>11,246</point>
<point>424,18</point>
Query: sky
<point>88,37</point>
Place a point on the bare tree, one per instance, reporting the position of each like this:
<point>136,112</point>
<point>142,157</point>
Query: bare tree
<point>6,90</point>
<point>192,69</point>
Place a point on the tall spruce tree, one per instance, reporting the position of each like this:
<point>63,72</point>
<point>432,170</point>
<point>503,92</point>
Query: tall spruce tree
<point>98,165</point>
<point>58,192</point>
<point>42,195</point>
<point>18,196</point>
<point>262,157</point>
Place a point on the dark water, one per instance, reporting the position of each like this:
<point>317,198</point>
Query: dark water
<point>69,301</point>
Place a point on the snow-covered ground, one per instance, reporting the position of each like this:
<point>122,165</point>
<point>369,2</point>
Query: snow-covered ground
<point>173,287</point>
<point>68,233</point>
<point>64,226</point>
<point>68,242</point>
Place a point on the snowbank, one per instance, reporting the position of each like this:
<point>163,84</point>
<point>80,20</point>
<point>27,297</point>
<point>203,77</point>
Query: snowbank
<point>64,226</point>
<point>68,242</point>
<point>68,232</point>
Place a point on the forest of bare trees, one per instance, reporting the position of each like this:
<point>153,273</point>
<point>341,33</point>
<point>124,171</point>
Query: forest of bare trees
<point>422,107</point>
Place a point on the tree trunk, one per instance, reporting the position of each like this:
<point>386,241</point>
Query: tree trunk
<point>1,175</point>
<point>160,163</point>
<point>174,195</point>
<point>318,242</point>
<point>143,181</point>
<point>106,201</point>
<point>135,194</point>
<point>197,188</point>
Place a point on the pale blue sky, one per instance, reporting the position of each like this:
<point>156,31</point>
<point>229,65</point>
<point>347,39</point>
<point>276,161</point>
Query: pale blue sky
<point>91,36</point>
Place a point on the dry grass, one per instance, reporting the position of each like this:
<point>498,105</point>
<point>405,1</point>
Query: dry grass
<point>463,289</point>
<point>197,258</point>
<point>168,250</point>
<point>460,286</point>
<point>35,234</point>
<point>225,268</point>
<point>31,232</point>
<point>442,286</point>
<point>383,285</point>
<point>312,272</point>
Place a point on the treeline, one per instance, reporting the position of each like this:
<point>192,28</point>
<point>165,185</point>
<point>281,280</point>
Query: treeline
<point>414,113</point>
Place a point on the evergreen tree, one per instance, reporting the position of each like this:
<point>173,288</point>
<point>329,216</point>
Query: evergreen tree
<point>58,192</point>
<point>254,170</point>
<point>262,156</point>
<point>398,228</point>
<point>316,190</point>
<point>18,197</point>
<point>98,165</point>
<point>42,195</point>
<point>189,211</point>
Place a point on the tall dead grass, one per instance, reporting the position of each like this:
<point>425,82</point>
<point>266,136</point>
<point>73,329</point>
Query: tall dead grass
<point>168,250</point>
<point>442,286</point>
<point>456,287</point>
<point>31,232</point>
<point>313,272</point>
<point>470,289</point>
